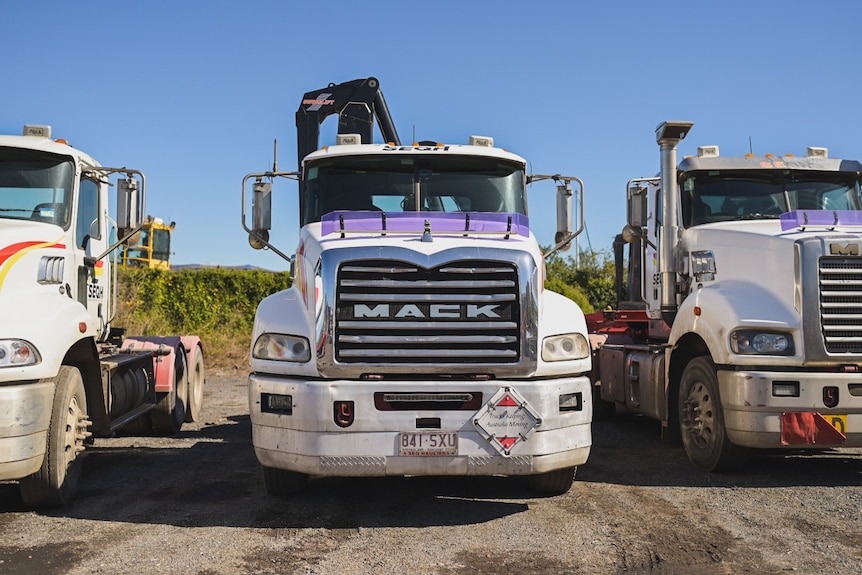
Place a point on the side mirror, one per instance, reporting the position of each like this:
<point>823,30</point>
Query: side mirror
<point>261,214</point>
<point>261,207</point>
<point>564,214</point>
<point>259,240</point>
<point>637,208</point>
<point>128,205</point>
<point>566,209</point>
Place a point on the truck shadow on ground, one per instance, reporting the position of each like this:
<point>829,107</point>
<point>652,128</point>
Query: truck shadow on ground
<point>210,477</point>
<point>628,450</point>
<point>216,481</point>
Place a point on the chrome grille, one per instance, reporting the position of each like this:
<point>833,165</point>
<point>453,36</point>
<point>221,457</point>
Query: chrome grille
<point>390,312</point>
<point>841,304</point>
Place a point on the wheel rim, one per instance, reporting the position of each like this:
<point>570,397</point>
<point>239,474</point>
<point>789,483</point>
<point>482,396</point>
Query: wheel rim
<point>76,432</point>
<point>700,415</point>
<point>196,389</point>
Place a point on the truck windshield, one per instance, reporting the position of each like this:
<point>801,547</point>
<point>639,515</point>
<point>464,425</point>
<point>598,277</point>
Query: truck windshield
<point>35,186</point>
<point>399,183</point>
<point>718,196</point>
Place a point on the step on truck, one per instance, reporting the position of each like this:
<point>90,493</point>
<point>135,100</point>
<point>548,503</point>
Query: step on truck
<point>417,337</point>
<point>67,375</point>
<point>739,322</point>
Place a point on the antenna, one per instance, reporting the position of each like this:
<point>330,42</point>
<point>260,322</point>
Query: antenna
<point>275,155</point>
<point>750,147</point>
<point>414,132</point>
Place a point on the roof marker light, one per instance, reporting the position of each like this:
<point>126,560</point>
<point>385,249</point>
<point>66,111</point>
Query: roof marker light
<point>817,152</point>
<point>348,139</point>
<point>483,141</point>
<point>40,131</point>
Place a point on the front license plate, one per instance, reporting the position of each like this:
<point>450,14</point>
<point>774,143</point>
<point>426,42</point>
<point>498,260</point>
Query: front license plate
<point>428,443</point>
<point>837,420</point>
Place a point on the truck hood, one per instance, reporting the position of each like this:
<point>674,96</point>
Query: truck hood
<point>764,252</point>
<point>771,235</point>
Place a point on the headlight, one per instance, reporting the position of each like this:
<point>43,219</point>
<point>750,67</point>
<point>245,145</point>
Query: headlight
<point>279,347</point>
<point>17,352</point>
<point>565,347</point>
<point>757,342</point>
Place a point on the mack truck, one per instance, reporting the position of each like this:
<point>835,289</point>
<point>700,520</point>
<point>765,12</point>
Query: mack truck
<point>739,320</point>
<point>67,374</point>
<point>417,338</point>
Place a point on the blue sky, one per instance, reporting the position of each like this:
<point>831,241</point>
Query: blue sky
<point>193,93</point>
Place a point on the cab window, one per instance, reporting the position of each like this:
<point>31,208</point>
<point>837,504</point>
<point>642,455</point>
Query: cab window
<point>88,226</point>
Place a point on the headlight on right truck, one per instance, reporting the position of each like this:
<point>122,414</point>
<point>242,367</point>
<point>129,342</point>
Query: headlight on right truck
<point>566,347</point>
<point>17,352</point>
<point>280,347</point>
<point>761,342</point>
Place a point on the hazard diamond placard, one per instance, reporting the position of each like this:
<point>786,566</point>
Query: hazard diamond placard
<point>506,420</point>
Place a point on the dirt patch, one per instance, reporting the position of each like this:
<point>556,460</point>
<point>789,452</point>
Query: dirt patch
<point>196,504</point>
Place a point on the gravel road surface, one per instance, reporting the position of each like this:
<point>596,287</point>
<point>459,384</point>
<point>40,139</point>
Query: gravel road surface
<point>196,504</point>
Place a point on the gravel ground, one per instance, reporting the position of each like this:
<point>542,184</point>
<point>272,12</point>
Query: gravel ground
<point>196,504</point>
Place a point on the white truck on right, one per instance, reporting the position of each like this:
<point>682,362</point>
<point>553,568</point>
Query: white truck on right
<point>739,321</point>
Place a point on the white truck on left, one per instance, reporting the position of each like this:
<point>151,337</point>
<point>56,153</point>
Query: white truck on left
<point>67,375</point>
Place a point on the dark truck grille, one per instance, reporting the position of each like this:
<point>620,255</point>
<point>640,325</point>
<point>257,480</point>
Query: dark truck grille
<point>841,304</point>
<point>392,312</point>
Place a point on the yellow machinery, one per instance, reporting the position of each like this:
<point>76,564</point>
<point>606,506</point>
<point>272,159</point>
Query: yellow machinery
<point>151,247</point>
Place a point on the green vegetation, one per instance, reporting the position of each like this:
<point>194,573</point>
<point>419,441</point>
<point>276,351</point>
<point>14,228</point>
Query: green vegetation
<point>218,304</point>
<point>589,281</point>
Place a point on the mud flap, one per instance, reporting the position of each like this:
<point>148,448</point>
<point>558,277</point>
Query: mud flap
<point>809,428</point>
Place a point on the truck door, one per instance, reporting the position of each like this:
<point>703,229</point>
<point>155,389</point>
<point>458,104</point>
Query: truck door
<point>91,240</point>
<point>651,276</point>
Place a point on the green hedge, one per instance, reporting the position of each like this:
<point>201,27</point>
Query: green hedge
<point>217,304</point>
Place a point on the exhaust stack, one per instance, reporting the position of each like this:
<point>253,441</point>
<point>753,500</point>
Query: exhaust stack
<point>668,135</point>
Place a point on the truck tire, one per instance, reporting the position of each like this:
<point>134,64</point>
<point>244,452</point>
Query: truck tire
<point>554,482</point>
<point>282,481</point>
<point>170,413</point>
<point>196,388</point>
<point>701,420</point>
<point>56,483</point>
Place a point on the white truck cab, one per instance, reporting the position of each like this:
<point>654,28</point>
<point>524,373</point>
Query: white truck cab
<point>417,338</point>
<point>66,374</point>
<point>741,322</point>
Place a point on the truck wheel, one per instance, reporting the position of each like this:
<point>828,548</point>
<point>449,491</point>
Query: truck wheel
<point>56,483</point>
<point>701,420</point>
<point>554,482</point>
<point>283,482</point>
<point>170,413</point>
<point>196,388</point>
